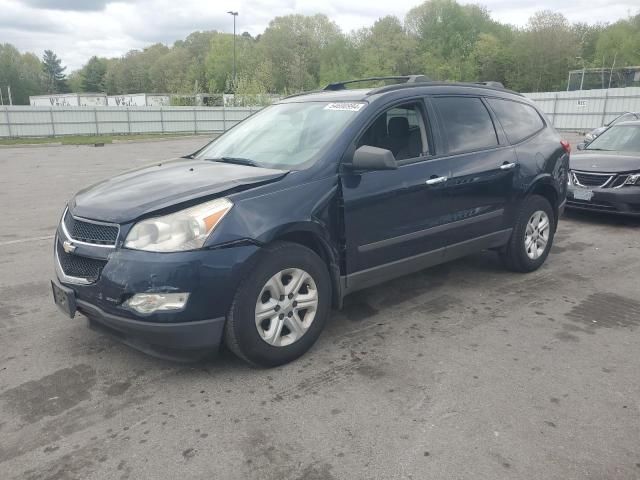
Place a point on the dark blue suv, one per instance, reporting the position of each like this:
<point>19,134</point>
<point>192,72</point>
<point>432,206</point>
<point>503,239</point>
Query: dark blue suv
<point>254,238</point>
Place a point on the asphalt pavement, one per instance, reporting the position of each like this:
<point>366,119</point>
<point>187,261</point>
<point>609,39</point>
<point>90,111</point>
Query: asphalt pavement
<point>463,371</point>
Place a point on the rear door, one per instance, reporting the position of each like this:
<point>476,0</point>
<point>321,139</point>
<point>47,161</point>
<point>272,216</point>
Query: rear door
<point>482,165</point>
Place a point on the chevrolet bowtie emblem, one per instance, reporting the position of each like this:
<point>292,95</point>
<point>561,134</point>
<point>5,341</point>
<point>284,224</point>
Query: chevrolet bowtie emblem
<point>68,246</point>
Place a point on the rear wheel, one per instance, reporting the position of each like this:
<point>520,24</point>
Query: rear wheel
<point>532,236</point>
<point>280,309</point>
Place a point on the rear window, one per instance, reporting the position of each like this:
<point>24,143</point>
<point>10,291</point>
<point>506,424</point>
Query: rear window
<point>466,123</point>
<point>518,120</point>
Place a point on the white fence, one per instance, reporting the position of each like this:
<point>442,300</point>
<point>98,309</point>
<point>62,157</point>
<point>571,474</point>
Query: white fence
<point>586,109</point>
<point>576,110</point>
<point>27,121</point>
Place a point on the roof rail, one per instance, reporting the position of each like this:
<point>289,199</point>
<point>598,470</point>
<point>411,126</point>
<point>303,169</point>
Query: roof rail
<point>304,92</point>
<point>406,78</point>
<point>491,83</point>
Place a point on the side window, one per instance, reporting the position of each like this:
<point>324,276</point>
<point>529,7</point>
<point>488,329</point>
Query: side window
<point>518,120</point>
<point>466,123</point>
<point>401,130</point>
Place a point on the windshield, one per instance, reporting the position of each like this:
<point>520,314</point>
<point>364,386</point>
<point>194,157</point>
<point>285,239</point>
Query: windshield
<point>286,135</point>
<point>625,117</point>
<point>622,138</point>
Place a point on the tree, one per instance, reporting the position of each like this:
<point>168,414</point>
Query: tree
<point>543,53</point>
<point>386,49</point>
<point>447,33</point>
<point>620,40</point>
<point>492,60</point>
<point>75,81</point>
<point>93,75</point>
<point>442,39</point>
<point>293,44</point>
<point>22,72</point>
<point>54,73</point>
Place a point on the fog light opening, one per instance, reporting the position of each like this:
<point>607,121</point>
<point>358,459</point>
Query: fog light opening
<point>157,302</point>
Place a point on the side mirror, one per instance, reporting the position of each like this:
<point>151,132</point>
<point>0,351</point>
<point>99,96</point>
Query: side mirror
<point>373,158</point>
<point>581,145</point>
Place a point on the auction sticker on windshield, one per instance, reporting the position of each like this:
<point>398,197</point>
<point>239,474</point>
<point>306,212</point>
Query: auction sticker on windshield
<point>345,107</point>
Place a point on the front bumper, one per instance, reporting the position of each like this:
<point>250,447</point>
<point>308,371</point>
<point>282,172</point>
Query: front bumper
<point>159,339</point>
<point>210,276</point>
<point>621,201</point>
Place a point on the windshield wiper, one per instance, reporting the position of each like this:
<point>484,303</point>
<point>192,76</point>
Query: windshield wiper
<point>235,160</point>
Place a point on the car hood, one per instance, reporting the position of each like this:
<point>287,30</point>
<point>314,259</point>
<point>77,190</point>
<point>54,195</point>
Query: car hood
<point>135,193</point>
<point>608,162</point>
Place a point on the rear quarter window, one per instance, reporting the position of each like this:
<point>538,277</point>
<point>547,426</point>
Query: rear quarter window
<point>467,124</point>
<point>518,120</point>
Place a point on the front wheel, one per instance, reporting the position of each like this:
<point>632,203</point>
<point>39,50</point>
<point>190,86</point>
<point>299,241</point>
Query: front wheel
<point>532,236</point>
<point>280,309</point>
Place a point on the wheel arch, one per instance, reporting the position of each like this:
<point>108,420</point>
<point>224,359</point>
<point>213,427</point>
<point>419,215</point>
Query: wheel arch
<point>307,235</point>
<point>545,186</point>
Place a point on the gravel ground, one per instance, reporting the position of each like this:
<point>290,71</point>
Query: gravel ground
<point>463,371</point>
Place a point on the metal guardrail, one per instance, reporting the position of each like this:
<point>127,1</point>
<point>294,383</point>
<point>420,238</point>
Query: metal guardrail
<point>27,121</point>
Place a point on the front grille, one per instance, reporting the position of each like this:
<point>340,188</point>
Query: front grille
<point>592,179</point>
<point>88,232</point>
<point>619,181</point>
<point>80,267</point>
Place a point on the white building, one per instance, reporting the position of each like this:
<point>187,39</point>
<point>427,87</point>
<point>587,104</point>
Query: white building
<point>69,100</point>
<point>139,100</point>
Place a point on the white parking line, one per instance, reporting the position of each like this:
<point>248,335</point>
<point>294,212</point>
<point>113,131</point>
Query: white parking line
<point>24,240</point>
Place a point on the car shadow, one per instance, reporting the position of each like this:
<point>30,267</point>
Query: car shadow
<point>601,218</point>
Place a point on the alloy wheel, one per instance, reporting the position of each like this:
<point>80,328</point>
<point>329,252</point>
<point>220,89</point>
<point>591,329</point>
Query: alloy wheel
<point>536,236</point>
<point>286,307</point>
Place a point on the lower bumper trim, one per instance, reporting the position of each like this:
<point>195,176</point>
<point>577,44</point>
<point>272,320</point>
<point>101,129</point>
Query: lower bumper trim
<point>158,339</point>
<point>601,208</point>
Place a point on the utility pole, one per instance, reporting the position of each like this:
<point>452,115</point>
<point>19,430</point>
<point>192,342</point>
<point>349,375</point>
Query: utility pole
<point>612,67</point>
<point>234,14</point>
<point>582,78</point>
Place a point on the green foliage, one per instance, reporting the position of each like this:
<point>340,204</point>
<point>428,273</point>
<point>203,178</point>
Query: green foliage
<point>23,72</point>
<point>386,49</point>
<point>620,40</point>
<point>248,91</point>
<point>93,75</point>
<point>54,73</point>
<point>442,39</point>
<point>293,46</point>
<point>543,53</point>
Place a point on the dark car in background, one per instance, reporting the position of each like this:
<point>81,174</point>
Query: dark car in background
<point>605,175</point>
<point>625,117</point>
<point>253,239</point>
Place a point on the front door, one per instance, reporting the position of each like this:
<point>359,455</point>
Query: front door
<point>395,220</point>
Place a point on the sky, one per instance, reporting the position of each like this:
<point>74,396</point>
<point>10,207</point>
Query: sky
<point>79,29</point>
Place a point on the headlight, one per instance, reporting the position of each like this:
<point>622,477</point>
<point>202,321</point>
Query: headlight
<point>633,179</point>
<point>184,230</point>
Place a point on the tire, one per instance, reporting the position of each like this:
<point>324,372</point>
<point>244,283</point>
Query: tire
<point>519,254</point>
<point>268,341</point>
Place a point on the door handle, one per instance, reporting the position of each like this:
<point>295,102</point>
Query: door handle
<point>436,181</point>
<point>508,166</point>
